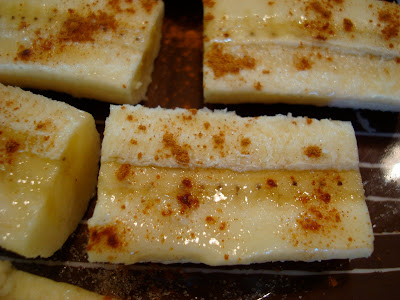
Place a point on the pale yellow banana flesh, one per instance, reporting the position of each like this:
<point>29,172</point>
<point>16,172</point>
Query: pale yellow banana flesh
<point>94,49</point>
<point>15,284</point>
<point>211,187</point>
<point>49,154</point>
<point>336,53</point>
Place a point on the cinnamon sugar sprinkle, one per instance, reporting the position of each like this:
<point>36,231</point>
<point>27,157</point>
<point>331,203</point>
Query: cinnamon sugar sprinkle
<point>223,63</point>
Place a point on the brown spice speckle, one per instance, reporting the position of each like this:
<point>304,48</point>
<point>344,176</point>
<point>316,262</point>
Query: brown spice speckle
<point>324,197</point>
<point>179,152</point>
<point>210,220</point>
<point>309,224</point>
<point>302,63</point>
<point>12,146</point>
<point>123,171</point>
<point>222,226</point>
<point>78,28</point>
<point>315,212</point>
<point>313,151</point>
<point>208,17</point>
<point>42,125</point>
<point>322,10</point>
<point>109,233</point>
<point>25,54</point>
<point>224,63</point>
<point>187,183</point>
<point>258,86</point>
<point>219,140</point>
<point>392,23</point>
<point>318,15</point>
<point>209,3</point>
<point>23,25</point>
<point>193,111</point>
<point>166,212</point>
<point>348,25</point>
<point>187,201</point>
<point>148,4</point>
<point>245,142</point>
<point>271,183</point>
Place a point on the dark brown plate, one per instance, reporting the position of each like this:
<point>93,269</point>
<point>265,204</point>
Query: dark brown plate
<point>177,82</point>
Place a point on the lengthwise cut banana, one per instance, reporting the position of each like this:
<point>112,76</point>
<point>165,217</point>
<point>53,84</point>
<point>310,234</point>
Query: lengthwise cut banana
<point>215,188</point>
<point>94,49</point>
<point>337,53</point>
<point>49,153</point>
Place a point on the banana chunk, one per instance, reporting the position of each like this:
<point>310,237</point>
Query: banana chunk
<point>212,187</point>
<point>95,49</point>
<point>49,153</point>
<point>15,285</point>
<point>334,53</point>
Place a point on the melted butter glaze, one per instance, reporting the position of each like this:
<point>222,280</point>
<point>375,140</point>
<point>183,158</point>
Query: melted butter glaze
<point>225,217</point>
<point>347,24</point>
<point>25,182</point>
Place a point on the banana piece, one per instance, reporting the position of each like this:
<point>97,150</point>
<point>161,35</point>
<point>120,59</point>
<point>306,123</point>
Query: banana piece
<point>19,285</point>
<point>335,53</point>
<point>212,187</point>
<point>95,49</point>
<point>49,153</point>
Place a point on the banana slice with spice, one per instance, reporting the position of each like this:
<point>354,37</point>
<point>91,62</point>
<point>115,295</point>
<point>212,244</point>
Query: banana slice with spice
<point>337,53</point>
<point>49,153</point>
<point>95,49</point>
<point>212,187</point>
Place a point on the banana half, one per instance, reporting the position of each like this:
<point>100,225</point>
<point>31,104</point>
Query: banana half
<point>95,49</point>
<point>215,188</point>
<point>49,153</point>
<point>336,53</point>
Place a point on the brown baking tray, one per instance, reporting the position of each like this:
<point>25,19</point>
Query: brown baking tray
<point>177,82</point>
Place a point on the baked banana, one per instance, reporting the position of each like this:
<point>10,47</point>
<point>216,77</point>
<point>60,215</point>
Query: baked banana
<point>336,53</point>
<point>95,49</point>
<point>18,285</point>
<point>49,153</point>
<point>212,187</point>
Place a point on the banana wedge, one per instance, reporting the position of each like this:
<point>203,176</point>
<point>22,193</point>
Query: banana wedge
<point>95,49</point>
<point>16,285</point>
<point>49,153</point>
<point>337,53</point>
